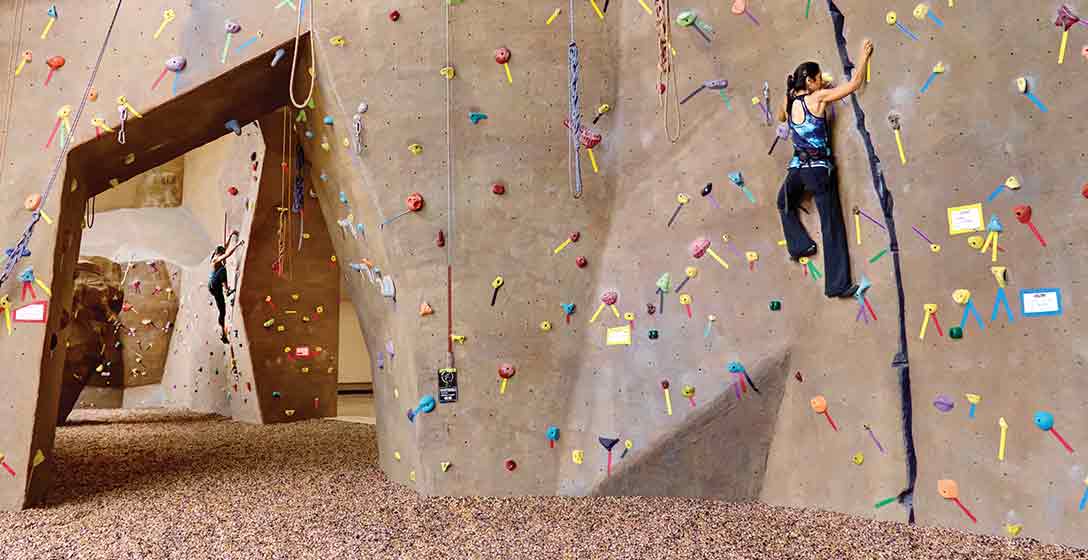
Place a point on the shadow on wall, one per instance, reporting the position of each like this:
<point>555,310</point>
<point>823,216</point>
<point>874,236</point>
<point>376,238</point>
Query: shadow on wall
<point>720,452</point>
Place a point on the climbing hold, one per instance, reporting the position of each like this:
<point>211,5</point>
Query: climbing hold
<point>502,56</point>
<point>394,16</point>
<point>581,262</point>
<point>54,63</point>
<point>545,326</point>
<point>327,120</point>
<point>653,334</point>
<point>476,117</point>
<point>506,371</point>
<point>651,308</point>
<point>396,455</point>
<point>32,202</point>
<point>510,465</point>
<point>232,190</point>
<point>92,95</point>
<point>445,465</point>
<point>280,53</point>
<point>276,394</point>
<point>553,435</point>
<point>425,309</point>
<point>776,305</point>
<point>176,63</point>
<point>578,456</point>
<point>416,149</point>
<point>944,403</point>
<point>859,458</point>
<point>233,125</point>
<point>498,189</point>
<point>448,72</point>
<point>337,41</point>
<point>440,240</point>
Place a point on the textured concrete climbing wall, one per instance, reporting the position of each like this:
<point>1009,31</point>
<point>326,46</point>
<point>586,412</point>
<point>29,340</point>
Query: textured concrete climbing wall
<point>963,137</point>
<point>294,318</point>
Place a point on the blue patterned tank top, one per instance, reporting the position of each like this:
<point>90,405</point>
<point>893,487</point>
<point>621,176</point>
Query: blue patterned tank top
<point>810,135</point>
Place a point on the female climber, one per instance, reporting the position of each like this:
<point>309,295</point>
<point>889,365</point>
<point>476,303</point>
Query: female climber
<point>812,170</point>
<point>217,280</point>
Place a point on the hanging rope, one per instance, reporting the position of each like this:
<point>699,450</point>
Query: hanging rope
<point>574,165</point>
<point>14,39</point>
<point>666,66</point>
<point>449,198</point>
<point>22,247</point>
<point>313,54</point>
<point>282,223</point>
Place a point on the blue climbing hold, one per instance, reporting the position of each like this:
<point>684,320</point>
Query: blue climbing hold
<point>27,275</point>
<point>735,367</point>
<point>476,117</point>
<point>1044,420</point>
<point>426,404</point>
<point>553,433</point>
<point>327,120</point>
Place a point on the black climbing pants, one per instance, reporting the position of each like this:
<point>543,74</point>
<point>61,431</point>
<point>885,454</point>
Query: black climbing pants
<point>820,181</point>
<point>221,303</point>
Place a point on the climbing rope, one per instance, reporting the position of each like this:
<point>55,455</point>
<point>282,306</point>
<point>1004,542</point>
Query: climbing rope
<point>14,39</point>
<point>21,249</point>
<point>449,199</point>
<point>574,166</point>
<point>282,223</point>
<point>666,66</point>
<point>313,54</point>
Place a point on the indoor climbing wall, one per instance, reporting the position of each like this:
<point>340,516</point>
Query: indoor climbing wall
<point>509,361</point>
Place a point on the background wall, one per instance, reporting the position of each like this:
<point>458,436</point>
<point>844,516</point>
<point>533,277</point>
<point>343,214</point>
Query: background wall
<point>354,361</point>
<point>963,137</point>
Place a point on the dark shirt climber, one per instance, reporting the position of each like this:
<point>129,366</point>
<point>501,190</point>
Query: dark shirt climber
<point>812,170</point>
<point>217,280</point>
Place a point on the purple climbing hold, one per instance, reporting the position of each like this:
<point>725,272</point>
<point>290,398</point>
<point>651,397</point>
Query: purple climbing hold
<point>944,403</point>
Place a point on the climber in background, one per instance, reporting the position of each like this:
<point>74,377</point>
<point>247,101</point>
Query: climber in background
<point>217,280</point>
<point>812,170</point>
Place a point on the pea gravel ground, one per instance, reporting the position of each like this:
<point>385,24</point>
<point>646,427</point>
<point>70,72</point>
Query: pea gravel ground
<point>161,484</point>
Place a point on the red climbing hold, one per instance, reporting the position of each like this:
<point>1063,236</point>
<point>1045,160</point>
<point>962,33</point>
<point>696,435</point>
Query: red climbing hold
<point>394,15</point>
<point>510,464</point>
<point>498,189</point>
<point>581,262</point>
<point>1084,191</point>
<point>232,190</point>
<point>441,239</point>
<point>661,89</point>
<point>414,202</point>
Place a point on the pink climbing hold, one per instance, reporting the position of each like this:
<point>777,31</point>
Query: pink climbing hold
<point>698,247</point>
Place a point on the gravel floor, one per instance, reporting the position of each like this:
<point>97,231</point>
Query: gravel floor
<point>155,484</point>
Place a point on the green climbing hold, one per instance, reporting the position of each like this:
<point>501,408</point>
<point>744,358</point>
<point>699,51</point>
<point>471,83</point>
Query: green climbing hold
<point>955,332</point>
<point>776,305</point>
<point>275,394</point>
<point>653,334</point>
